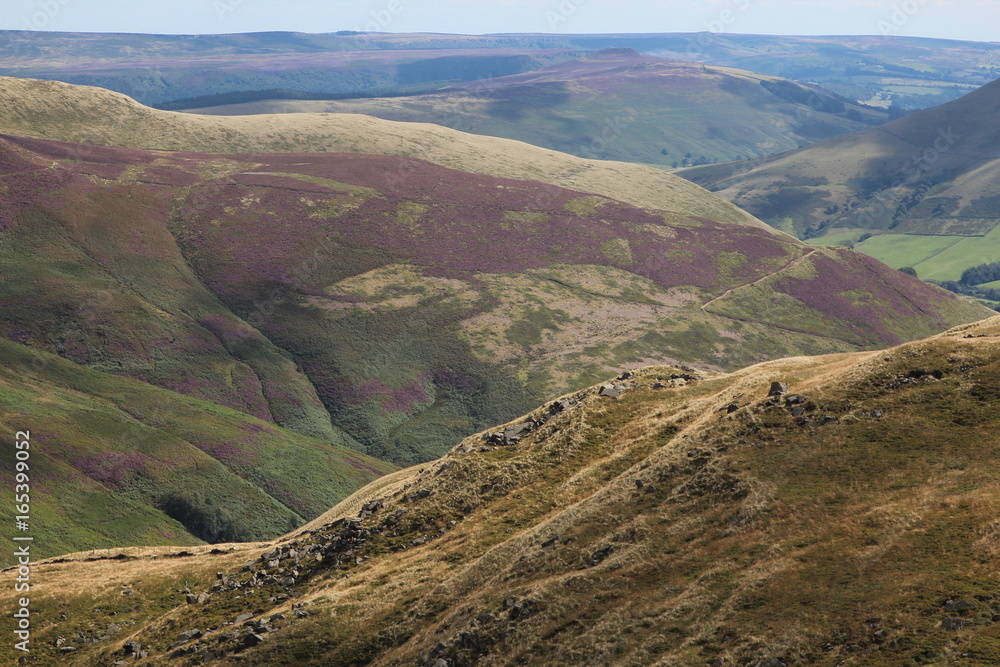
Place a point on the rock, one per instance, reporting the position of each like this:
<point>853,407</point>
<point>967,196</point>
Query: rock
<point>128,591</point>
<point>730,408</point>
<point>827,419</point>
<point>954,623</point>
<point>191,598</point>
<point>299,613</point>
<point>188,635</point>
<point>179,653</point>
<point>59,642</point>
<point>601,554</point>
<point>277,617</point>
<point>562,405</point>
<point>798,411</point>
<point>552,540</point>
<point>778,389</point>
<point>66,649</point>
<point>659,385</point>
<point>252,640</point>
<point>610,391</point>
<point>423,493</point>
<point>243,617</point>
<point>795,399</point>
<point>639,484</point>
<point>417,541</point>
<point>958,605</point>
<point>203,598</point>
<point>626,375</point>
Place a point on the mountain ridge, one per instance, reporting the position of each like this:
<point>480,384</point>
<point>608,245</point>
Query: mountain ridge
<point>804,509</point>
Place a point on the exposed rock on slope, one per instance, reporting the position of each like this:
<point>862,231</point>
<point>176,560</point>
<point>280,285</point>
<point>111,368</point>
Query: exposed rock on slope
<point>715,521</point>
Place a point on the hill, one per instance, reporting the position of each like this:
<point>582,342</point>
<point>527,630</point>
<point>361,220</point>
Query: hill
<point>617,104</point>
<point>925,185</point>
<point>116,462</point>
<point>850,516</point>
<point>907,72</point>
<point>408,303</point>
<point>86,115</point>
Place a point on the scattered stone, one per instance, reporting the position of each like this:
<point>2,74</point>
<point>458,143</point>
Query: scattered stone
<point>639,484</point>
<point>798,411</point>
<point>252,640</point>
<point>778,389</point>
<point>191,598</point>
<point>729,409</point>
<point>417,541</point>
<point>128,591</point>
<point>795,399</point>
<point>827,419</point>
<point>659,385</point>
<point>188,635</point>
<point>626,375</point>
<point>562,405</point>
<point>610,391</point>
<point>552,540</point>
<point>954,623</point>
<point>600,555</point>
<point>243,617</point>
<point>277,617</point>
<point>958,605</point>
<point>202,598</point>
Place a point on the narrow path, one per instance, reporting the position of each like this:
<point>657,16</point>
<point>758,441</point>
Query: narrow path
<point>790,265</point>
<point>795,262</point>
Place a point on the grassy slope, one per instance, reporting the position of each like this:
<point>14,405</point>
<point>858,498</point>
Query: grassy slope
<point>619,105</point>
<point>421,303</point>
<point>650,529</point>
<point>80,114</point>
<point>933,172</point>
<point>116,462</point>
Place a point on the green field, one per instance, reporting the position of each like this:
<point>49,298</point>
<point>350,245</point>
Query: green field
<point>899,250</point>
<point>845,237</point>
<point>934,257</point>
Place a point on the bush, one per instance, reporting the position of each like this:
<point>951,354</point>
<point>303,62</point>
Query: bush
<point>910,271</point>
<point>982,273</point>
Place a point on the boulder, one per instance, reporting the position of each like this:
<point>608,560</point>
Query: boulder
<point>778,389</point>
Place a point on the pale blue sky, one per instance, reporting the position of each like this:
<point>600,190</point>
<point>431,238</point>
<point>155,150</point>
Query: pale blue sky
<point>958,19</point>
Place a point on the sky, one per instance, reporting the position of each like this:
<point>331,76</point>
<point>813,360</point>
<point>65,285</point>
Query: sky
<point>977,20</point>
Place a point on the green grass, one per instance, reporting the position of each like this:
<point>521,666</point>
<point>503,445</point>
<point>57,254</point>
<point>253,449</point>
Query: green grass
<point>899,250</point>
<point>116,462</point>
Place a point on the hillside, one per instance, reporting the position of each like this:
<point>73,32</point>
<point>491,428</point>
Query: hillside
<point>408,303</point>
<point>617,104</point>
<point>909,72</point>
<point>85,115</point>
<point>851,518</point>
<point>925,184</point>
<point>117,462</point>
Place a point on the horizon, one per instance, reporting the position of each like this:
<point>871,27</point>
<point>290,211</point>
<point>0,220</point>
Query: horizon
<point>960,20</point>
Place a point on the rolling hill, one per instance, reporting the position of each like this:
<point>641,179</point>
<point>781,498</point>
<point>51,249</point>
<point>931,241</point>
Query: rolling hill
<point>925,185</point>
<point>906,71</point>
<point>407,303</point>
<point>617,104</point>
<point>803,511</point>
<point>87,115</point>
